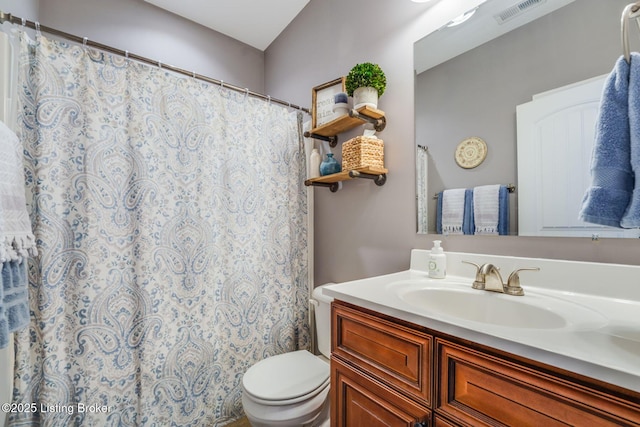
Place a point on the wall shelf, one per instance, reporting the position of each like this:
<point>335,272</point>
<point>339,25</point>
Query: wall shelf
<point>329,131</point>
<point>378,175</point>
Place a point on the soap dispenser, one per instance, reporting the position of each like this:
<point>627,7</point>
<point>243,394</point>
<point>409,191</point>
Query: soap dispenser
<point>437,261</point>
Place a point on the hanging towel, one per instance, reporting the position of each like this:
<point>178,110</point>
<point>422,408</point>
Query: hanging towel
<point>422,173</point>
<point>503,207</point>
<point>14,300</point>
<point>631,217</point>
<point>439,212</point>
<point>486,209</point>
<point>453,211</point>
<point>612,180</point>
<point>16,237</point>
<point>468,226</point>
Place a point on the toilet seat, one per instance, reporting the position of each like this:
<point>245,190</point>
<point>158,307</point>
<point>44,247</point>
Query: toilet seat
<point>286,378</point>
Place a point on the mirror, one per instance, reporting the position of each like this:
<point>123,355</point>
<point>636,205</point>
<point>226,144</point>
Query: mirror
<point>471,78</point>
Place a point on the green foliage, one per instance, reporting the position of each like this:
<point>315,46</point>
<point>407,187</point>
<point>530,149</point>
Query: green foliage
<point>366,74</point>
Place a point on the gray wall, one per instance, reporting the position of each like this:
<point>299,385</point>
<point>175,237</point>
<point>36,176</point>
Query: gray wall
<point>146,30</point>
<point>491,80</point>
<point>364,230</point>
<point>26,8</point>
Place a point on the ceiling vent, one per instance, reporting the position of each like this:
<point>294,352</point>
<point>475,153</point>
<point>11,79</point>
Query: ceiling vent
<point>517,10</point>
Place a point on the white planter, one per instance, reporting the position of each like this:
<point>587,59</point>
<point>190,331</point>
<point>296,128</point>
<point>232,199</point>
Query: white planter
<point>365,96</point>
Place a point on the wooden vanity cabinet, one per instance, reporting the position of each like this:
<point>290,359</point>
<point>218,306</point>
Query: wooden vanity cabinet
<point>372,357</point>
<point>387,372</point>
<point>362,401</point>
<point>475,388</point>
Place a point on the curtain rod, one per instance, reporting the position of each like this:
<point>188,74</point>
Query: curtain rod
<point>7,17</point>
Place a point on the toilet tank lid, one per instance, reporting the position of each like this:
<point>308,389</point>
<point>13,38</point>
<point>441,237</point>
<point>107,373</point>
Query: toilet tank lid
<point>286,376</point>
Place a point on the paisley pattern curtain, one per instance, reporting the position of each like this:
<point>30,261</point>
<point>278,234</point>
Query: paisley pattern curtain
<point>170,216</point>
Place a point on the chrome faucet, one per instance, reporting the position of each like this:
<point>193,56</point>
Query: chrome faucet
<point>513,282</point>
<point>488,278</point>
<point>492,278</point>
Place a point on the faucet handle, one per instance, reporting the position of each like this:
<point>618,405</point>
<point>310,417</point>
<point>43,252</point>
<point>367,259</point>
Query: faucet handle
<point>478,283</point>
<point>513,283</point>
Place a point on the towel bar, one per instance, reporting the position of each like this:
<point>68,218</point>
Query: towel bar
<point>511,188</point>
<point>631,11</point>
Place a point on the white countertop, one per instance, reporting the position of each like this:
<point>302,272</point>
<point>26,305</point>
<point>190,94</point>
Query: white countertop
<point>606,347</point>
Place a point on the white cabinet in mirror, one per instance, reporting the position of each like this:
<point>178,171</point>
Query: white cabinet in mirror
<point>556,131</point>
<point>470,80</point>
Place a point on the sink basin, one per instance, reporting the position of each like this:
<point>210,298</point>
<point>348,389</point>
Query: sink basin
<point>485,307</point>
<point>524,312</point>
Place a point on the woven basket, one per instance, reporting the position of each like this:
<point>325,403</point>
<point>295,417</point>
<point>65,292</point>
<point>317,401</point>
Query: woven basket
<point>362,151</point>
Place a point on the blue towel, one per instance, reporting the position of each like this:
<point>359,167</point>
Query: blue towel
<point>503,211</point>
<point>612,180</point>
<point>14,299</point>
<point>439,213</point>
<point>468,225</point>
<point>631,218</point>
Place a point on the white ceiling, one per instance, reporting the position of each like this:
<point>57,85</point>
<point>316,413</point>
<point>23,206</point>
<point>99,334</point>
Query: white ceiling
<point>254,22</point>
<point>449,42</point>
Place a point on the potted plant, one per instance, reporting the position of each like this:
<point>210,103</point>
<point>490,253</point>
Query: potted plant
<point>366,82</point>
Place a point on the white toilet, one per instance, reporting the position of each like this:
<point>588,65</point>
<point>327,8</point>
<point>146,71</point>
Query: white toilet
<point>292,389</point>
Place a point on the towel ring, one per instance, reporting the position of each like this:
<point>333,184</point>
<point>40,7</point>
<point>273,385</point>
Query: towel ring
<point>631,11</point>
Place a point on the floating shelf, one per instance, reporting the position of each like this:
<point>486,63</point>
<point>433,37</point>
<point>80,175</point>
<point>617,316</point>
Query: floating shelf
<point>378,175</point>
<point>329,131</point>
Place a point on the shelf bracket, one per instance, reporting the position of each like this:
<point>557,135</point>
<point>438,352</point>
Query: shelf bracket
<point>333,186</point>
<point>378,179</point>
<point>332,140</point>
<point>378,124</point>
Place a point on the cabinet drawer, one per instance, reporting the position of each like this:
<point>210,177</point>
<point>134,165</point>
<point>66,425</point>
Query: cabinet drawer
<point>479,389</point>
<point>441,422</point>
<point>361,401</point>
<point>398,356</point>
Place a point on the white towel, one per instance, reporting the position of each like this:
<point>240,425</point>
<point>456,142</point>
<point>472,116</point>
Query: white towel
<point>422,172</point>
<point>16,236</point>
<point>452,211</point>
<point>486,209</point>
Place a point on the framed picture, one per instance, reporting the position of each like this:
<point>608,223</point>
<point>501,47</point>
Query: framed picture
<point>322,101</point>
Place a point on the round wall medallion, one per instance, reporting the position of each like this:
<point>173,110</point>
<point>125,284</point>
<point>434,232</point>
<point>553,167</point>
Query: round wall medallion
<point>471,152</point>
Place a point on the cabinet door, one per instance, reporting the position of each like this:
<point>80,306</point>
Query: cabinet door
<point>359,401</point>
<point>482,390</point>
<point>396,355</point>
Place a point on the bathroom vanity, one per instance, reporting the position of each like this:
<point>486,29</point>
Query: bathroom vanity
<point>408,350</point>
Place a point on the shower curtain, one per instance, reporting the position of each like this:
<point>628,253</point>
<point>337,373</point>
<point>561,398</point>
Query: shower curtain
<point>170,216</point>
